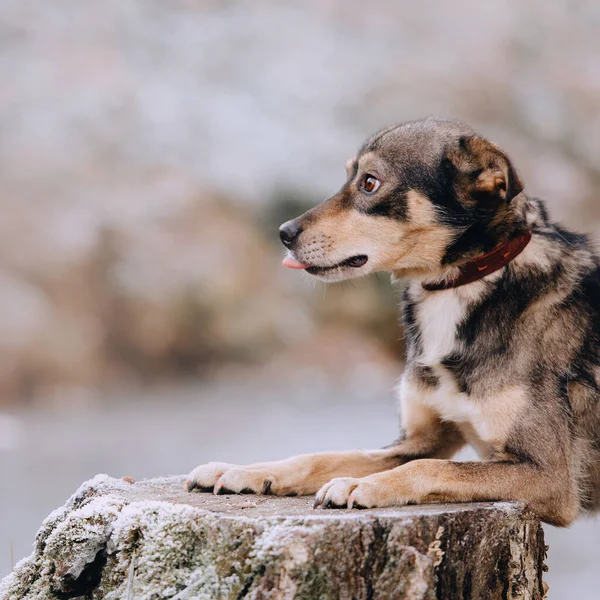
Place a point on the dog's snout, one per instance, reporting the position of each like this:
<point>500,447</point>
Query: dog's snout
<point>289,233</point>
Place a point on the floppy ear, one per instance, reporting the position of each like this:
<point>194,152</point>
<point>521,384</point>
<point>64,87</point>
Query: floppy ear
<point>484,171</point>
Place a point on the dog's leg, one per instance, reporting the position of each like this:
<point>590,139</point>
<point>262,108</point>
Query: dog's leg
<point>299,475</point>
<point>426,436</point>
<point>535,463</point>
<point>549,492</point>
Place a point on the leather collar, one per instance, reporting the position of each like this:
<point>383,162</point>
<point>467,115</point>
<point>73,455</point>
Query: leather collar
<point>482,266</point>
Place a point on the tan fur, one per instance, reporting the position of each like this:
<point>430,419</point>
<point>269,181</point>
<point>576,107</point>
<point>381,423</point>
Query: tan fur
<point>496,176</point>
<point>496,363</point>
<point>501,415</point>
<point>414,247</point>
<point>434,480</point>
<point>299,475</point>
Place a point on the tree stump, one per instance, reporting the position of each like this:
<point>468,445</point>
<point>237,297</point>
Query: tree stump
<point>151,539</point>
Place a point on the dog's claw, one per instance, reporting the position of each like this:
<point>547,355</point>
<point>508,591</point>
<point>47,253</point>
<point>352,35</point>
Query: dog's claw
<point>194,485</point>
<point>223,491</point>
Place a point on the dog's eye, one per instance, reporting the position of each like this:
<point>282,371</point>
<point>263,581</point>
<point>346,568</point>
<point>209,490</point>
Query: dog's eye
<point>370,184</point>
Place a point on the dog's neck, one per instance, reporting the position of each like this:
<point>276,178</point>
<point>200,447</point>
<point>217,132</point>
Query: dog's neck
<point>484,265</point>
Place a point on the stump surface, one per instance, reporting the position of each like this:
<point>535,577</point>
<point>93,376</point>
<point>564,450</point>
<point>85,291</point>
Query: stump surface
<point>151,540</point>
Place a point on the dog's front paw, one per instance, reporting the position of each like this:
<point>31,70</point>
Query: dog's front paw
<point>245,480</point>
<point>225,478</point>
<point>368,494</point>
<point>351,492</point>
<point>205,477</point>
<point>335,493</point>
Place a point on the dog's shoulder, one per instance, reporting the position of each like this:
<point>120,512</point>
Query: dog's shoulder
<point>541,311</point>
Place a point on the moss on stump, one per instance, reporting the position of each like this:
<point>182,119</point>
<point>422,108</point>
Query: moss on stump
<point>152,540</point>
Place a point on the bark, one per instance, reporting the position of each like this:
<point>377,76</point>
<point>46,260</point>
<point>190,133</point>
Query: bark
<point>151,540</point>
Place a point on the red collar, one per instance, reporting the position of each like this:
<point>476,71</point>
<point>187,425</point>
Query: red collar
<point>479,268</point>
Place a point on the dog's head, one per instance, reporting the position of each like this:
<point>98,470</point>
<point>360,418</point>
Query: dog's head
<point>419,197</point>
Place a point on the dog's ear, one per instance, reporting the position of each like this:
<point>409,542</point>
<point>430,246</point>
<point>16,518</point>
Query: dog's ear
<point>484,171</point>
<point>351,166</point>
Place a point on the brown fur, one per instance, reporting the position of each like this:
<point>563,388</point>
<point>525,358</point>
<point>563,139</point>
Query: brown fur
<point>509,364</point>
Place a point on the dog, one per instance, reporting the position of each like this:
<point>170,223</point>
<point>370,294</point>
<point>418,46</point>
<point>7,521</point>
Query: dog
<point>502,320</point>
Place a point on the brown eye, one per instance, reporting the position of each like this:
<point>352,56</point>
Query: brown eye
<point>370,184</point>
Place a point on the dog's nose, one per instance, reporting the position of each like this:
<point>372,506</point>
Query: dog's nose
<point>289,233</point>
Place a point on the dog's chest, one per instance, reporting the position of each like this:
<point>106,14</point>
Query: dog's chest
<point>438,318</point>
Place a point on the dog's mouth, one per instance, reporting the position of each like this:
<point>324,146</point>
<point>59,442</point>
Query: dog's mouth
<point>354,262</point>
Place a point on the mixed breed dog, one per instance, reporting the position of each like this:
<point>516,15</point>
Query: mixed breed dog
<point>502,323</point>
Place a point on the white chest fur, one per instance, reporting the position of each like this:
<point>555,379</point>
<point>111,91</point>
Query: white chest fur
<point>438,316</point>
<point>449,404</point>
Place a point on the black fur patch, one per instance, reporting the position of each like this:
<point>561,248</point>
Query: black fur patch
<point>411,328</point>
<point>393,206</point>
<point>437,185</point>
<point>477,236</point>
<point>456,364</point>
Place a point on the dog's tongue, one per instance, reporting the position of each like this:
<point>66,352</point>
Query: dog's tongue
<point>292,263</point>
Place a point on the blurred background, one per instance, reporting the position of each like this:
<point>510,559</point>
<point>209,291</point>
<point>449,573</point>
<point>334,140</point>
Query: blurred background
<point>148,152</point>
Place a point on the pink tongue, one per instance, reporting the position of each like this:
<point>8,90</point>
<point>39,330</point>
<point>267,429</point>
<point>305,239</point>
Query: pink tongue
<point>292,263</point>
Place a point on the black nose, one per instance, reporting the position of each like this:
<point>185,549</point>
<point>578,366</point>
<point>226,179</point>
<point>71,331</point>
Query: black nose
<point>289,233</point>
